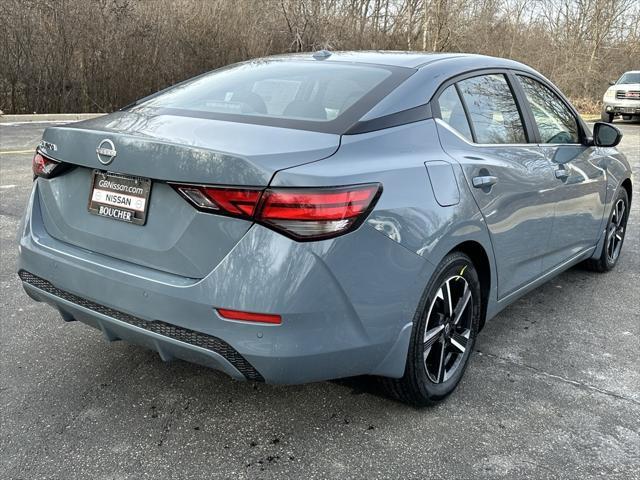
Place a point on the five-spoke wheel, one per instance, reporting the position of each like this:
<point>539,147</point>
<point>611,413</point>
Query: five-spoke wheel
<point>615,230</point>
<point>608,255</point>
<point>448,329</point>
<point>444,332</point>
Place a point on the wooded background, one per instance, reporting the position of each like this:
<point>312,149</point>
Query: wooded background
<point>99,55</point>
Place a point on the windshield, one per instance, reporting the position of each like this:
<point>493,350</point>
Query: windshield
<point>629,77</point>
<point>311,95</point>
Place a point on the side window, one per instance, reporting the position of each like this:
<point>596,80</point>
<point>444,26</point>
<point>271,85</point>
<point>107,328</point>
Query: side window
<point>452,112</point>
<point>492,109</point>
<point>556,123</point>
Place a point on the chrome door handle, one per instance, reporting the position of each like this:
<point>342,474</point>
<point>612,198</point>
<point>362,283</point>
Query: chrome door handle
<point>562,174</point>
<point>484,181</point>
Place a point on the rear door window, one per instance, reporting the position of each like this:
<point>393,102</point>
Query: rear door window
<point>492,110</point>
<point>556,123</point>
<point>452,111</point>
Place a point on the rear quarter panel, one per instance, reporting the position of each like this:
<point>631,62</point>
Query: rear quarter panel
<point>407,212</point>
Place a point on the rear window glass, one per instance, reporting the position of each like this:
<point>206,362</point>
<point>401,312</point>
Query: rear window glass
<point>293,94</point>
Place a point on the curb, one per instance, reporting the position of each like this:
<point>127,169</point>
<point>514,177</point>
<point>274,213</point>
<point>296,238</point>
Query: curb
<point>52,117</point>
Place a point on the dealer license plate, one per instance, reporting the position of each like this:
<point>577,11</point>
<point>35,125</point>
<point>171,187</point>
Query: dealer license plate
<point>121,197</point>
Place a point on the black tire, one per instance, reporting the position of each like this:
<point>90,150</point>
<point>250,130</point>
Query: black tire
<point>616,226</point>
<point>606,117</point>
<point>417,387</point>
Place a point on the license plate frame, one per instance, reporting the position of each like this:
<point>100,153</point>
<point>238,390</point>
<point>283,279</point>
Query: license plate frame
<point>118,196</point>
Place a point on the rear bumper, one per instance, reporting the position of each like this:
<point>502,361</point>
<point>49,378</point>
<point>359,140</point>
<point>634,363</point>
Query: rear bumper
<point>345,311</point>
<point>168,340</point>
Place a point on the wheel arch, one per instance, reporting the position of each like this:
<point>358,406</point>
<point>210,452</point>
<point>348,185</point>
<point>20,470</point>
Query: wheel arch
<point>480,258</point>
<point>626,184</point>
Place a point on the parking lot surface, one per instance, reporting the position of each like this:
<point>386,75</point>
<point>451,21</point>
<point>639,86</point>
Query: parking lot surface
<point>553,390</point>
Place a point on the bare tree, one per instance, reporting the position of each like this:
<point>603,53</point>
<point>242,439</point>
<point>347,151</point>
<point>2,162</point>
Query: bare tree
<point>98,55</point>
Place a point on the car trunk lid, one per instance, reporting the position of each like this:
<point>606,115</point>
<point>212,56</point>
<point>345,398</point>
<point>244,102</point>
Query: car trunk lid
<point>187,149</point>
<point>175,238</point>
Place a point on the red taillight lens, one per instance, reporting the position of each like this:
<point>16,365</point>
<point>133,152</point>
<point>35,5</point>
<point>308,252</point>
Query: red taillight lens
<point>249,316</point>
<point>301,213</point>
<point>321,205</point>
<point>231,201</point>
<point>43,166</point>
<point>239,202</point>
<point>317,213</point>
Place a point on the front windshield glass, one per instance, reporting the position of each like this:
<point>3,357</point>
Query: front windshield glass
<point>629,77</point>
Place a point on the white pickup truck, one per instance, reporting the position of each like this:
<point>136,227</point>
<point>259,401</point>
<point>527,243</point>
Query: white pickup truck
<point>622,98</point>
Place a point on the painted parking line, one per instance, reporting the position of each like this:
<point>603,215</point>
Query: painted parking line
<point>16,152</point>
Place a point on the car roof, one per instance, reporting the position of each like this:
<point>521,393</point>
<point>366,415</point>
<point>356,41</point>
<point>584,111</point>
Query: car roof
<point>423,73</point>
<point>430,71</point>
<point>409,59</point>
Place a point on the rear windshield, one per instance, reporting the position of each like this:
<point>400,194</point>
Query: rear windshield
<point>310,95</point>
<point>629,77</point>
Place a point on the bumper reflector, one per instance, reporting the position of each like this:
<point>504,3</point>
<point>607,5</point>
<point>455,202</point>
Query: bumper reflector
<point>249,317</point>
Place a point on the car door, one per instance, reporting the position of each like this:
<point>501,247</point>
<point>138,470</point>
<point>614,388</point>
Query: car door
<point>481,126</point>
<point>579,202</point>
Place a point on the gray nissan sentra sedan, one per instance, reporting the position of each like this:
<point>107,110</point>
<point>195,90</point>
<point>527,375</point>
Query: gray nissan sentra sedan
<point>308,217</point>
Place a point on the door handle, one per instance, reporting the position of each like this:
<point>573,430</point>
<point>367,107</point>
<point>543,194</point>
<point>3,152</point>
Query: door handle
<point>562,174</point>
<point>484,181</point>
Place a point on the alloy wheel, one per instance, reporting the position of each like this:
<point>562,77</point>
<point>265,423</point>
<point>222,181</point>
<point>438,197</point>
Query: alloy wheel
<point>447,329</point>
<point>615,231</point>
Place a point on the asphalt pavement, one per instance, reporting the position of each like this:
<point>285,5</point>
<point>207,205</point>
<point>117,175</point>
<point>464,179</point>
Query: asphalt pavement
<point>553,390</point>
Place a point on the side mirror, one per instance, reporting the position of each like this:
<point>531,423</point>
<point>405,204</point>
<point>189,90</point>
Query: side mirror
<point>606,135</point>
<point>612,83</point>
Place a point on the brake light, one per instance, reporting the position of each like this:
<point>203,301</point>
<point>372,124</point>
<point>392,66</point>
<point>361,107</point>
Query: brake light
<point>249,316</point>
<point>317,213</point>
<point>231,201</point>
<point>308,213</point>
<point>43,166</point>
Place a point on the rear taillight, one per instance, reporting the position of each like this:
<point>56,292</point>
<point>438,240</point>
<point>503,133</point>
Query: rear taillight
<point>308,213</point>
<point>229,201</point>
<point>317,213</point>
<point>43,166</point>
